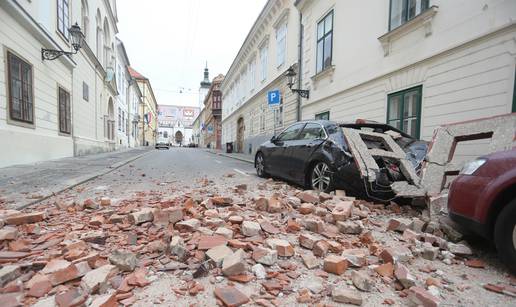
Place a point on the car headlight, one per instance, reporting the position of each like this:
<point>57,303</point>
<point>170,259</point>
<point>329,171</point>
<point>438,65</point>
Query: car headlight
<point>472,166</point>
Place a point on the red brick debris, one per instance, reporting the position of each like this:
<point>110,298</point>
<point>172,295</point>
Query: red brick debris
<point>104,252</point>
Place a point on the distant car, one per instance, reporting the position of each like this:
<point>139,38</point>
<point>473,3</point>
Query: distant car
<point>162,143</point>
<point>315,154</point>
<point>483,200</point>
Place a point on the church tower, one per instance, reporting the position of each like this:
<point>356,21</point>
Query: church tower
<point>205,87</point>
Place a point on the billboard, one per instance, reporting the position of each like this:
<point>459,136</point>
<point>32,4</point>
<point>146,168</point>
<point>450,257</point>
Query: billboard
<point>168,116</point>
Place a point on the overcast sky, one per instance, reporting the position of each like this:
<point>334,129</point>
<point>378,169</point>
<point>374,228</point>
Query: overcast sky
<point>169,41</point>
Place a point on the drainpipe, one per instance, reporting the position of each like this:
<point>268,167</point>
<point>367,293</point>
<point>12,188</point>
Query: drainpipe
<point>299,65</point>
<point>143,115</point>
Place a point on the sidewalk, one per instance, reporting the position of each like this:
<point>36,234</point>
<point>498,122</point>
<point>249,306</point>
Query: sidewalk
<point>237,156</point>
<point>27,184</point>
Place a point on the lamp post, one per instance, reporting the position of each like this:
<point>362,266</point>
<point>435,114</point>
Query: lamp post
<point>76,37</point>
<point>291,74</point>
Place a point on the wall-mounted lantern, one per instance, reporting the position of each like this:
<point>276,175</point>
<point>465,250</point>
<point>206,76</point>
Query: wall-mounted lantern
<point>77,38</point>
<point>291,75</point>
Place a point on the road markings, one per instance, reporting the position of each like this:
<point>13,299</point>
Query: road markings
<point>218,161</point>
<point>241,172</point>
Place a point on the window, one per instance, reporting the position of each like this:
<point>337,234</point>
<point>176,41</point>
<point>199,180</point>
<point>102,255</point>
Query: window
<point>85,18</point>
<point>119,119</point>
<point>312,131</point>
<point>404,110</point>
<point>323,116</point>
<point>278,116</point>
<point>324,42</point>
<point>21,107</point>
<point>65,120</point>
<point>405,10</point>
<point>123,121</point>
<point>262,119</point>
<point>281,44</point>
<point>263,62</point>
<point>85,91</point>
<point>63,21</point>
<point>290,133</point>
<point>251,78</point>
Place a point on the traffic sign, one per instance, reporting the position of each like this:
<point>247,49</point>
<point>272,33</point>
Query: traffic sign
<point>274,98</point>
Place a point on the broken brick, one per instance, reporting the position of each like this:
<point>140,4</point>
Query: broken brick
<point>335,264</point>
<point>25,218</point>
<point>9,273</point>
<point>230,296</point>
<point>346,296</point>
<point>250,229</point>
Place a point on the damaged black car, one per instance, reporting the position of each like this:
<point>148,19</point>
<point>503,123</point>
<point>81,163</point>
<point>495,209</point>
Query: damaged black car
<point>316,155</point>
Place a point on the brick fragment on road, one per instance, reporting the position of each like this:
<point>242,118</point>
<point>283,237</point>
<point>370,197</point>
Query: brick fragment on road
<point>265,256</point>
<point>350,227</point>
<point>250,228</point>
<point>362,281</point>
<point>404,276</point>
<point>71,297</point>
<point>124,260</point>
<point>25,218</point>
<point>106,300</point>
<point>396,254</point>
<point>9,273</point>
<point>346,296</point>
<point>142,216</point>
<point>234,263</point>
<point>8,233</point>
<point>218,253</point>
<point>399,224</point>
<point>189,225</point>
<point>342,211</point>
<point>308,197</point>
<point>231,296</point>
<point>96,281</point>
<point>307,240</point>
<point>283,247</point>
<point>307,208</point>
<point>335,264</point>
<point>421,297</point>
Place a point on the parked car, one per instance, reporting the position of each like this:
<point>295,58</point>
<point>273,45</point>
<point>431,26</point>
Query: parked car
<point>483,200</point>
<point>315,154</point>
<point>162,143</point>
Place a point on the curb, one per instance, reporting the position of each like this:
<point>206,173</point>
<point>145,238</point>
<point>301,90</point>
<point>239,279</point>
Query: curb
<point>80,180</point>
<point>230,156</point>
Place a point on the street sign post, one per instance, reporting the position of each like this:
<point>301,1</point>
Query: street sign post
<point>274,98</point>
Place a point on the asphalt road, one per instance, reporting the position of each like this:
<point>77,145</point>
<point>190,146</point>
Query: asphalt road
<point>165,170</point>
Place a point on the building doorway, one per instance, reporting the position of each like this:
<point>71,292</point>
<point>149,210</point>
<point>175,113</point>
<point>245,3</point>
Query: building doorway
<point>179,138</point>
<point>240,135</point>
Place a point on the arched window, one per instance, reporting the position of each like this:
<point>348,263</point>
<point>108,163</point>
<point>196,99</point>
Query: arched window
<point>85,18</point>
<point>99,42</point>
<point>107,44</point>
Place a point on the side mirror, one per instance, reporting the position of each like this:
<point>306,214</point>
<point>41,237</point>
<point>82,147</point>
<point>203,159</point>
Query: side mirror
<point>273,139</point>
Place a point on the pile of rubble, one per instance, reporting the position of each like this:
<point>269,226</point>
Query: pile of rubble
<point>99,252</point>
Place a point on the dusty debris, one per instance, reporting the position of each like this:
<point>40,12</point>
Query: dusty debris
<point>101,253</point>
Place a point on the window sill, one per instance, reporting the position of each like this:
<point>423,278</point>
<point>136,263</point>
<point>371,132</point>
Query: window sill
<point>18,123</point>
<point>328,72</point>
<point>422,20</point>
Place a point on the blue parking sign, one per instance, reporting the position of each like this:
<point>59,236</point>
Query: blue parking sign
<point>274,98</point>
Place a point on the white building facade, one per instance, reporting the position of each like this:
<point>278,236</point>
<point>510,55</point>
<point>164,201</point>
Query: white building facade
<point>65,107</point>
<point>413,64</point>
<point>259,67</point>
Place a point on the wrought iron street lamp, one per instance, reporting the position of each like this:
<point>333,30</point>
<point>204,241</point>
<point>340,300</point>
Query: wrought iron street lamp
<point>291,75</point>
<point>76,37</point>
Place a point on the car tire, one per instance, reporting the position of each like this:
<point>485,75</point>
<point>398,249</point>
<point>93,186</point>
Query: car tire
<point>505,235</point>
<point>259,164</point>
<point>320,177</point>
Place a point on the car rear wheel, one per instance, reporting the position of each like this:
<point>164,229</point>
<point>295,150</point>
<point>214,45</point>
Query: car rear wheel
<point>260,165</point>
<point>505,235</point>
<point>320,178</point>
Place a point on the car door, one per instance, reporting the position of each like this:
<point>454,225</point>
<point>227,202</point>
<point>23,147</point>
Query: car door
<point>309,140</point>
<point>278,153</point>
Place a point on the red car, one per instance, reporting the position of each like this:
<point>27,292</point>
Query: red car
<point>483,199</point>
